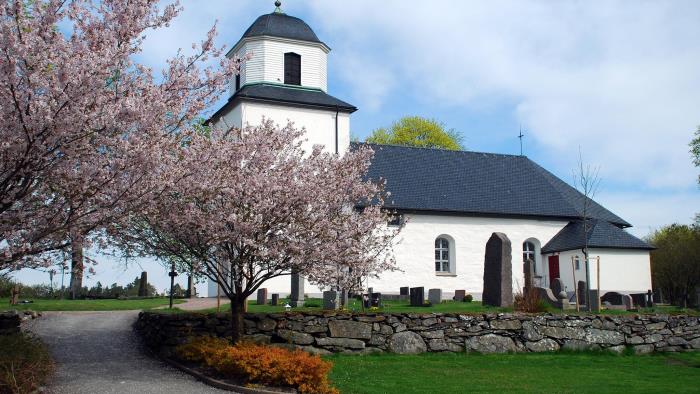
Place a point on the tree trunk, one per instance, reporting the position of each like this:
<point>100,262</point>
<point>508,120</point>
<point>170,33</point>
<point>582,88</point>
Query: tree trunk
<point>238,307</point>
<point>77,266</point>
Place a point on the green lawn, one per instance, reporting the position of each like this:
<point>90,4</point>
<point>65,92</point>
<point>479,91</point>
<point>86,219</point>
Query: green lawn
<point>87,305</point>
<point>444,307</point>
<point>552,372</point>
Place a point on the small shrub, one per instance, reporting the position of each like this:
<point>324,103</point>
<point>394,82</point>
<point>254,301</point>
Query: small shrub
<point>529,301</point>
<point>25,363</point>
<point>259,364</point>
<point>468,298</point>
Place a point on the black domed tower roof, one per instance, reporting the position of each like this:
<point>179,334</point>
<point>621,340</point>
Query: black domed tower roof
<point>278,24</point>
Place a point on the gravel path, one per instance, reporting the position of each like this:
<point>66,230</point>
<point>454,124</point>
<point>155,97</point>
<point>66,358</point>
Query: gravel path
<point>97,352</point>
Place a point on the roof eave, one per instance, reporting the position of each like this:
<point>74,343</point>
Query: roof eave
<point>243,40</point>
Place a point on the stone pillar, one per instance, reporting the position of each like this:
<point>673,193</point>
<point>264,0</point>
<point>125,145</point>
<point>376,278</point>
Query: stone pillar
<point>275,299</point>
<point>593,296</point>
<point>343,298</point>
<point>498,272</point>
<point>435,296</point>
<point>190,287</point>
<point>143,284</point>
<point>296,298</point>
<point>331,300</point>
<point>262,296</point>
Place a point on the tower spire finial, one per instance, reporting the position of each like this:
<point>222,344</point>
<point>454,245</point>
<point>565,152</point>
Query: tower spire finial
<point>278,4</point>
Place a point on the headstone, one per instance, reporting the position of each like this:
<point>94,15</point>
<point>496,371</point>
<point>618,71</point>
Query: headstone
<point>403,291</point>
<point>296,298</point>
<point>529,272</point>
<point>275,299</point>
<point>652,299</point>
<point>262,296</point>
<point>459,295</point>
<point>331,300</point>
<point>417,295</point>
<point>557,285</point>
<point>581,292</point>
<point>612,297</point>
<point>435,296</point>
<point>498,272</point>
<point>563,300</point>
<point>627,301</point>
<point>593,297</point>
<point>376,300</point>
<point>366,301</point>
<point>143,284</point>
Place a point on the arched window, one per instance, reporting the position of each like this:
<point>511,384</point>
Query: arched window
<point>531,250</point>
<point>442,255</point>
<point>528,251</point>
<point>292,68</point>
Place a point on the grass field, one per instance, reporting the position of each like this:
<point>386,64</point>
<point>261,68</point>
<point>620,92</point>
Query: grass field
<point>87,305</point>
<point>552,372</point>
<point>445,307</point>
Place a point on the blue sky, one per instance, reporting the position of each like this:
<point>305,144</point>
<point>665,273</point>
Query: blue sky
<point>619,80</point>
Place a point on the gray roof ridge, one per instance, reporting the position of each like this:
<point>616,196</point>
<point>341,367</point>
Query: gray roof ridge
<point>440,149</point>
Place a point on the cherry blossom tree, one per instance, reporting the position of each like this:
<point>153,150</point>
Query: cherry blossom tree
<point>83,126</point>
<point>256,206</point>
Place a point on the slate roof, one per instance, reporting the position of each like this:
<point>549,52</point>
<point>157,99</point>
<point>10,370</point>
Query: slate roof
<point>600,234</point>
<point>287,95</point>
<point>281,25</point>
<point>481,184</point>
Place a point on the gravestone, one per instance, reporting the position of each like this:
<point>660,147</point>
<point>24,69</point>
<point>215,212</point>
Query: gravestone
<point>417,295</point>
<point>376,300</point>
<point>191,290</point>
<point>296,298</point>
<point>652,298</point>
<point>529,272</point>
<point>331,300</point>
<point>435,296</point>
<point>143,284</point>
<point>581,292</point>
<point>627,301</point>
<point>612,297</point>
<point>275,299</point>
<point>403,291</point>
<point>459,295</point>
<point>557,286</point>
<point>262,296</point>
<point>593,297</point>
<point>563,300</point>
<point>498,272</point>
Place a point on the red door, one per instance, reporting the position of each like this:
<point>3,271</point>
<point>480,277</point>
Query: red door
<point>553,268</point>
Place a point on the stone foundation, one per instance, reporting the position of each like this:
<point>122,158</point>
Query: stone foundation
<point>330,332</point>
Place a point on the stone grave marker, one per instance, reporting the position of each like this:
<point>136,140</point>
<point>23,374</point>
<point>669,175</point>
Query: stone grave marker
<point>376,300</point>
<point>557,286</point>
<point>143,285</point>
<point>262,296</point>
<point>296,297</point>
<point>459,295</point>
<point>417,295</point>
<point>498,272</point>
<point>403,291</point>
<point>581,292</point>
<point>529,272</point>
<point>435,296</point>
<point>275,299</point>
<point>331,300</point>
<point>343,298</point>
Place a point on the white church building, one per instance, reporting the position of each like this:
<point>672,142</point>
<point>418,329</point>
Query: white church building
<point>451,201</point>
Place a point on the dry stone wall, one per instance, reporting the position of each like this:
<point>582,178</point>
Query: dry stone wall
<point>407,333</point>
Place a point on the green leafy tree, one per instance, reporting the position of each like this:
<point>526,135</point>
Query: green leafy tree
<point>675,264</point>
<point>419,132</point>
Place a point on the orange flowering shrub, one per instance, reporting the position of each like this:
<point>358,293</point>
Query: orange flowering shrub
<point>260,364</point>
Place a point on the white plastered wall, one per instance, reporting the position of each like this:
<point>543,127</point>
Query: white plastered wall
<point>622,270</point>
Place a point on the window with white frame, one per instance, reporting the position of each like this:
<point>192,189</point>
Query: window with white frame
<point>529,253</point>
<point>442,255</point>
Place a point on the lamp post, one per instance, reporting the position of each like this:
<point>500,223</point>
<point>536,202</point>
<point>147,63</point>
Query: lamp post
<point>172,275</point>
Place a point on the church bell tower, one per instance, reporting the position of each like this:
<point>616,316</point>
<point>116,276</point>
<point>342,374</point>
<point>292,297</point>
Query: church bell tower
<point>286,80</point>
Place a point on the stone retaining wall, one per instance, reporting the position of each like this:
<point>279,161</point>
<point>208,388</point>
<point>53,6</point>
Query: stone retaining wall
<point>415,333</point>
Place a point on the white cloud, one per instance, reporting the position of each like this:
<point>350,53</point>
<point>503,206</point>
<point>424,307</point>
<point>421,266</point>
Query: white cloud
<point>617,78</point>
